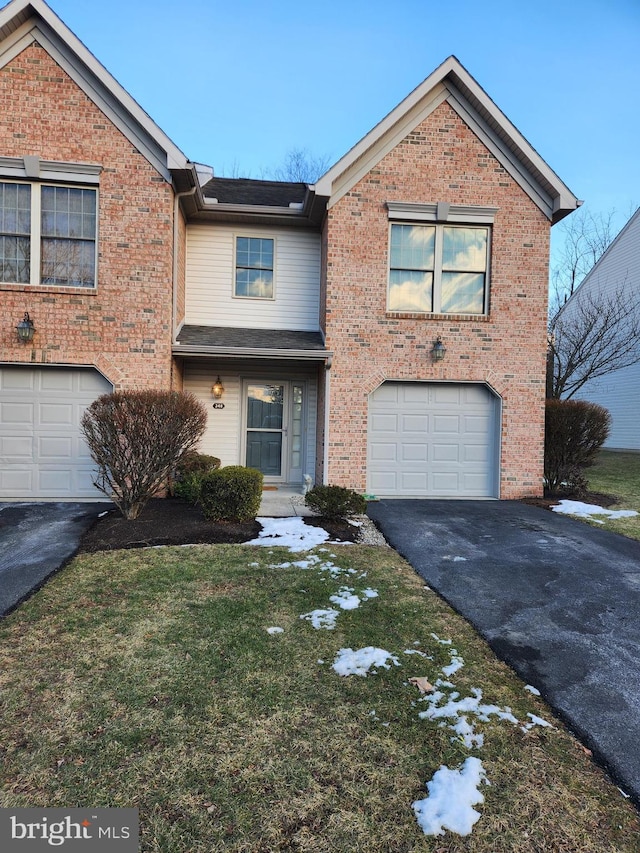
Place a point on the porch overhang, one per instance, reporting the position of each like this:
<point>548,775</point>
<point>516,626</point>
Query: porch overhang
<point>272,344</point>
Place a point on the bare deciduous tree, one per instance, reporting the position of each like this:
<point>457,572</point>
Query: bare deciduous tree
<point>585,238</point>
<point>300,165</point>
<point>594,335</point>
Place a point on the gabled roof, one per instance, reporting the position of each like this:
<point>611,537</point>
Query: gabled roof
<point>23,22</point>
<point>452,83</point>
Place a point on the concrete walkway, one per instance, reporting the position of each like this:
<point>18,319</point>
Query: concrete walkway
<point>283,502</point>
<point>556,599</point>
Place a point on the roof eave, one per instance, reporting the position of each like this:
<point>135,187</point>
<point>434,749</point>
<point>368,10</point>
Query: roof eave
<point>251,352</point>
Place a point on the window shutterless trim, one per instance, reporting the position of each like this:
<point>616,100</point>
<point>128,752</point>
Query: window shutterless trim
<point>33,168</point>
<point>36,237</point>
<point>442,211</point>
<point>436,291</point>
<point>249,236</point>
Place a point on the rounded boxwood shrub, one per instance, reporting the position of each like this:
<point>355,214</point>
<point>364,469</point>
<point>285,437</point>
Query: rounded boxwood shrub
<point>233,493</point>
<point>335,502</point>
<point>189,473</point>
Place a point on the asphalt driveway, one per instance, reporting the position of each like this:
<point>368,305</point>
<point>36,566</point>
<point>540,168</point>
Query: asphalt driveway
<point>36,539</point>
<point>558,600</point>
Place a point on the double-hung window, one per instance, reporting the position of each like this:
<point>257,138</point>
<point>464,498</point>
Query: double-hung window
<point>254,267</point>
<point>47,234</point>
<point>438,267</point>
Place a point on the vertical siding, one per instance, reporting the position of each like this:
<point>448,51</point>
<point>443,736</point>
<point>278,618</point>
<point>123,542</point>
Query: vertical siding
<point>223,437</point>
<point>210,279</point>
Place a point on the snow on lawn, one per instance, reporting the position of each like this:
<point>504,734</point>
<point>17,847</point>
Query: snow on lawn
<point>291,533</point>
<point>322,618</point>
<point>452,795</point>
<point>359,662</point>
<point>581,510</point>
<point>457,711</point>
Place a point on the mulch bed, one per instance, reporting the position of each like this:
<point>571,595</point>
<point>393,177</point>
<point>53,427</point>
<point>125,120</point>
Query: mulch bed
<point>172,521</point>
<point>553,498</point>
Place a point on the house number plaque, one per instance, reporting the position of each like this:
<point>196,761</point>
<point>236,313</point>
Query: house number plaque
<point>218,405</point>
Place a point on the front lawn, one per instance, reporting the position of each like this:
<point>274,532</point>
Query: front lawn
<point>191,683</point>
<point>618,474</point>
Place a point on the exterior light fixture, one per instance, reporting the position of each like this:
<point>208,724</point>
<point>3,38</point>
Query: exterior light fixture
<point>217,389</point>
<point>25,329</point>
<point>438,351</point>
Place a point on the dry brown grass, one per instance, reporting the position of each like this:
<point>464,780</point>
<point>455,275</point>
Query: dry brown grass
<point>147,679</point>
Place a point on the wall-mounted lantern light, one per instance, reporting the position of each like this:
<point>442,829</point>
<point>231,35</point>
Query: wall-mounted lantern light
<point>25,329</point>
<point>438,351</point>
<point>217,389</point>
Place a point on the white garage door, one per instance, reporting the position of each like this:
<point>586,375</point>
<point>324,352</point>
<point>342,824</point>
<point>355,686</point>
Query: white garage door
<point>429,439</point>
<point>42,453</point>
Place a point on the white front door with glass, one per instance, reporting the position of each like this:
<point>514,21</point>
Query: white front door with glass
<point>274,417</point>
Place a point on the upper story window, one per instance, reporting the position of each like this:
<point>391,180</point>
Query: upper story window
<point>436,267</point>
<point>254,267</point>
<point>47,234</point>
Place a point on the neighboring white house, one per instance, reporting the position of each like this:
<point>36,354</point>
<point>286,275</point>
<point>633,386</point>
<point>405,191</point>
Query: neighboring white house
<point>619,392</point>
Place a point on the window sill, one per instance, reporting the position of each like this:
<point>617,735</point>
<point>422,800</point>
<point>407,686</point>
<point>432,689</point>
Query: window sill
<point>45,288</point>
<point>457,318</point>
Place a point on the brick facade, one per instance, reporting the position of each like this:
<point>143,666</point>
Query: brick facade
<point>441,160</point>
<point>124,326</point>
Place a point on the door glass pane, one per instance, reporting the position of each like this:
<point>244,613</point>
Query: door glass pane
<point>265,406</point>
<point>296,426</point>
<point>265,420</point>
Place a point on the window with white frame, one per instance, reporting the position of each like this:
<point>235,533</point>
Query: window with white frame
<point>439,258</point>
<point>47,234</point>
<point>254,267</point>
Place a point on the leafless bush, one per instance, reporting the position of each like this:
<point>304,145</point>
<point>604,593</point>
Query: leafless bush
<point>136,438</point>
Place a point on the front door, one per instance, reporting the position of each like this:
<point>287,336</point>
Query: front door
<point>274,429</point>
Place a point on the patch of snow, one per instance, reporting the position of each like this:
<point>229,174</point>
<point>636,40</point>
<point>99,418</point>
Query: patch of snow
<point>582,510</point>
<point>417,652</point>
<point>291,533</point>
<point>455,559</point>
<point>456,712</point>
<point>102,514</point>
<point>370,593</point>
<point>345,599</point>
<point>274,629</point>
<point>322,618</point>
<point>442,642</point>
<point>360,661</point>
<point>536,721</point>
<point>452,794</point>
<point>457,663</point>
<point>532,689</point>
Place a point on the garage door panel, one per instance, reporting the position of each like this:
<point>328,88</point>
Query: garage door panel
<point>57,380</point>
<point>446,482</point>
<point>446,424</point>
<point>385,423</point>
<point>386,452</point>
<point>414,481</point>
<point>17,482</point>
<point>55,448</point>
<point>16,447</point>
<point>412,393</point>
<point>414,423</point>
<point>433,439</point>
<point>55,414</point>
<point>44,455</point>
<point>416,452</point>
<point>446,453</point>
<point>16,413</point>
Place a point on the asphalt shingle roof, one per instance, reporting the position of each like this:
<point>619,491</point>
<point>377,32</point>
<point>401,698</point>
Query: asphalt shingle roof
<point>250,192</point>
<point>250,339</point>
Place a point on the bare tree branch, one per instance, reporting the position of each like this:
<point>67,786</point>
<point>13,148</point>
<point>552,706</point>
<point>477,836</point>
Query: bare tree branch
<point>597,334</point>
<point>300,165</point>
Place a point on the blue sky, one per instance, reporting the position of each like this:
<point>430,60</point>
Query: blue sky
<point>238,84</point>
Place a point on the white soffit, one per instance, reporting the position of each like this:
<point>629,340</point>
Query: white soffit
<point>23,22</point>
